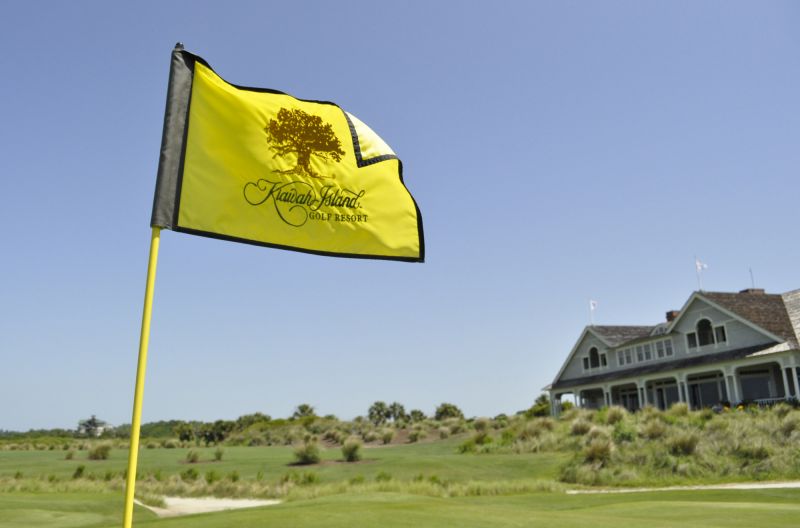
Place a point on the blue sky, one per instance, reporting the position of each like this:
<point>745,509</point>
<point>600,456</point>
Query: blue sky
<point>559,152</point>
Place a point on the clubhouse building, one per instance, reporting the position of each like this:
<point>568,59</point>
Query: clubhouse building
<point>719,348</point>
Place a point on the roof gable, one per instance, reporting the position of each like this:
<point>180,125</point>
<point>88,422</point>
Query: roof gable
<point>762,311</point>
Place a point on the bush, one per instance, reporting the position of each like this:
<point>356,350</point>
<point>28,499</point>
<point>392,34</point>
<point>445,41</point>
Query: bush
<point>307,453</point>
<point>192,457</point>
<point>444,432</point>
<point>448,410</point>
<point>580,426</point>
<point>467,446</point>
<point>598,450</point>
<point>482,424</point>
<point>80,471</point>
<point>70,455</point>
<point>623,432</point>
<point>653,429</point>
<point>415,436</point>
<point>190,475</point>
<point>790,424</point>
<point>683,443</point>
<point>678,409</point>
<point>233,476</point>
<point>100,452</point>
<point>383,477</point>
<point>387,435</point>
<point>305,478</point>
<point>615,414</point>
<point>218,454</point>
<point>351,450</point>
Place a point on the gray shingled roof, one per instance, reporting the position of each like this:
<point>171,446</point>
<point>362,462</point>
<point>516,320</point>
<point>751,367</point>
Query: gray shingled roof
<point>616,335</point>
<point>765,310</point>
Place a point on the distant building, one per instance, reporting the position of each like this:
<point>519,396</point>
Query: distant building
<point>93,427</point>
<point>720,347</point>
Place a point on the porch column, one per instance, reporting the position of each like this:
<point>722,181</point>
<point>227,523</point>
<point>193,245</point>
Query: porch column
<point>796,372</point>
<point>641,387</point>
<point>646,399</point>
<point>607,395</point>
<point>683,395</point>
<point>728,389</point>
<point>785,381</point>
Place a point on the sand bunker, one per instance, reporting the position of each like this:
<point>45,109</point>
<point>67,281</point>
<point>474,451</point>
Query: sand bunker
<point>176,506</point>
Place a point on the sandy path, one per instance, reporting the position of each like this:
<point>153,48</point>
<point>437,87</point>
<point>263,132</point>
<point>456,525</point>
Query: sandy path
<point>176,506</point>
<point>731,486</point>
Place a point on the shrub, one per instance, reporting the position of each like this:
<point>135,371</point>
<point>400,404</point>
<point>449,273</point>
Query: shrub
<point>683,443</point>
<point>467,446</point>
<point>781,410</point>
<point>212,476</point>
<point>387,435</point>
<point>444,432</point>
<point>598,450</point>
<point>415,436</point>
<point>358,479</point>
<point>447,410</point>
<point>790,424</point>
<point>615,414</point>
<point>100,452</point>
<point>70,455</point>
<point>653,429</point>
<point>370,436</point>
<point>351,450</point>
<point>192,457</point>
<point>580,426</point>
<point>752,450</point>
<point>383,477</point>
<point>18,475</point>
<point>482,437</point>
<point>678,409</point>
<point>218,454</point>
<point>190,475</point>
<point>170,444</point>
<point>307,453</point>
<point>482,424</point>
<point>80,471</point>
<point>233,476</point>
<point>624,432</point>
<point>305,478</point>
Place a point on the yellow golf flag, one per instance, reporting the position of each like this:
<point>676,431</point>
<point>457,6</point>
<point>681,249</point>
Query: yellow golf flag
<point>259,166</point>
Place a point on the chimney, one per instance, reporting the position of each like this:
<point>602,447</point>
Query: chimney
<point>753,291</point>
<point>671,315</point>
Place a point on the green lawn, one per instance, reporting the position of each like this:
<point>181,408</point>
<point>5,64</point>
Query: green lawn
<point>401,462</point>
<point>85,509</point>
<point>701,509</point>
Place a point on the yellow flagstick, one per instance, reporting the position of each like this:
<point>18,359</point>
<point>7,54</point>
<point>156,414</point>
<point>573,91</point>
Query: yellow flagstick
<point>144,338</point>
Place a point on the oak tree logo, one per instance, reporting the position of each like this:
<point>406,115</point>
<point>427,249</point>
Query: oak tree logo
<point>303,135</point>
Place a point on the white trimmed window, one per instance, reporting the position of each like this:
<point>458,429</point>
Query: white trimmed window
<point>705,334</point>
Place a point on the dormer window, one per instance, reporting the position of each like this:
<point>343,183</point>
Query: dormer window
<point>594,358</point>
<point>706,334</point>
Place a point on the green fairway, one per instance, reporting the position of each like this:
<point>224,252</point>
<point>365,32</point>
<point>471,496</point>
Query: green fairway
<point>401,462</point>
<point>701,509</point>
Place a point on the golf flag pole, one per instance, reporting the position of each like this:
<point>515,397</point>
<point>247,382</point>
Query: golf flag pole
<point>144,338</point>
